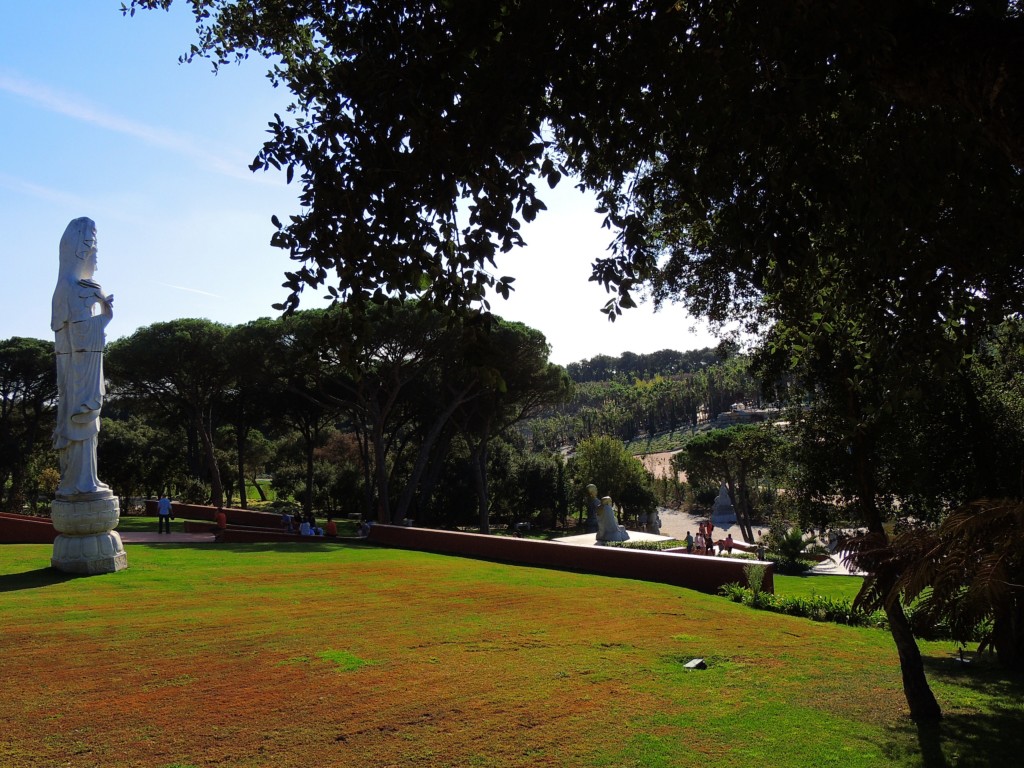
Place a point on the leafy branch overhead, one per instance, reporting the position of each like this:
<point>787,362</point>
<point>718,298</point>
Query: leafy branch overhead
<point>726,157</point>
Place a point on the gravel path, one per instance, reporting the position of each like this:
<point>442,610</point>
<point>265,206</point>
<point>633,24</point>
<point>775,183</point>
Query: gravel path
<point>152,537</point>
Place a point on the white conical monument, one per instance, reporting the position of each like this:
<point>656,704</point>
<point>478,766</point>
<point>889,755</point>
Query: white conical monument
<point>722,513</point>
<point>609,528</point>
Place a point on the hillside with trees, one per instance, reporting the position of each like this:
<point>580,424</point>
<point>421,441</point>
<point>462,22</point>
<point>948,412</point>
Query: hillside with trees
<point>637,397</point>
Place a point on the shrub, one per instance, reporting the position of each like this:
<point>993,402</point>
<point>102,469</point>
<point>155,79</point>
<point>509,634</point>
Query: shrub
<point>789,567</point>
<point>652,546</point>
<point>817,607</point>
<point>733,591</point>
<point>789,549</point>
<point>755,574</point>
<point>194,492</point>
<point>705,497</point>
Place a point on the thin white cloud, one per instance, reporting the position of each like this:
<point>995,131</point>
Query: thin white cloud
<point>50,195</point>
<point>77,108</point>
<point>188,290</point>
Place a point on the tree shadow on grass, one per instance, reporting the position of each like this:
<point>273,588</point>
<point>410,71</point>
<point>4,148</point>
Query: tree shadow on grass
<point>967,738</point>
<point>962,740</point>
<point>981,674</point>
<point>40,577</point>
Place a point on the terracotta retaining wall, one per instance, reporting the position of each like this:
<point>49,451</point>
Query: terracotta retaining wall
<point>198,526</point>
<point>205,512</point>
<point>25,529</point>
<point>704,574</point>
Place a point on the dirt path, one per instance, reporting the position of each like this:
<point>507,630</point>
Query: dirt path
<point>660,464</point>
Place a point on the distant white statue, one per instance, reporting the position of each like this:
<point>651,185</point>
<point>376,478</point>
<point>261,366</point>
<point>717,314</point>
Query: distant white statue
<point>654,523</point>
<point>593,507</point>
<point>81,311</point>
<point>722,513</point>
<point>608,528</point>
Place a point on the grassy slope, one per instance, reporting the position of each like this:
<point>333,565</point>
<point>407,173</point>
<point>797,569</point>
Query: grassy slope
<point>279,655</point>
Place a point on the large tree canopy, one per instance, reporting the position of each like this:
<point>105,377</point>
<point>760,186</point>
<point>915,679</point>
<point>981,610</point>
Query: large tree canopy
<point>177,367</point>
<point>28,390</point>
<point>730,135</point>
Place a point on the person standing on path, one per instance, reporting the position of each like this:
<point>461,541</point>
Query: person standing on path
<point>163,515</point>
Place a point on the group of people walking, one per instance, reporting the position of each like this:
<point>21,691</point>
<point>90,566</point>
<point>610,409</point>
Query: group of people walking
<point>704,542</point>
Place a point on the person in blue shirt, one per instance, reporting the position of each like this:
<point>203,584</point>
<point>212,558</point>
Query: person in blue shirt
<point>163,515</point>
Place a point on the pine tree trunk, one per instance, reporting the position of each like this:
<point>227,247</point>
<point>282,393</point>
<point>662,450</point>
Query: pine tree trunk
<point>307,497</point>
<point>240,442</point>
<point>206,438</point>
<point>259,488</point>
<point>480,480</point>
<point>1008,636</point>
<point>920,699</point>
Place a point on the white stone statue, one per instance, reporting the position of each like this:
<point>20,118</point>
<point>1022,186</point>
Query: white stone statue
<point>85,512</point>
<point>654,523</point>
<point>608,528</point>
<point>81,311</point>
<point>593,507</point>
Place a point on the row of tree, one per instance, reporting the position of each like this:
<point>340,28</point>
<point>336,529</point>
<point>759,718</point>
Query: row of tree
<point>630,366</point>
<point>420,424</point>
<point>403,382</point>
<point>28,388</point>
<point>389,393</point>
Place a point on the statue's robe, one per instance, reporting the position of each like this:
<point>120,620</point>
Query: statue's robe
<point>79,339</point>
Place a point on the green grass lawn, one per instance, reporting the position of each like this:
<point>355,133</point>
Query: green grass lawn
<point>268,490</point>
<point>252,656</point>
<point>836,587</point>
<point>665,441</point>
<point>136,523</point>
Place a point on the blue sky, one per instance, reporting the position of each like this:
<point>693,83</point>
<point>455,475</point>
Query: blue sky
<point>100,120</point>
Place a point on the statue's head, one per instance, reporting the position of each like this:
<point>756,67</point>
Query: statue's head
<point>78,248</point>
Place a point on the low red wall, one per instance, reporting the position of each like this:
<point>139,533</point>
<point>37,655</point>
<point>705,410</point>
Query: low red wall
<point>204,512</point>
<point>704,574</point>
<point>198,526</point>
<point>24,529</point>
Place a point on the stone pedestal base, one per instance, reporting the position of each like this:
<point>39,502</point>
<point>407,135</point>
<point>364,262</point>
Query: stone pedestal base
<point>88,543</point>
<point>723,518</point>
